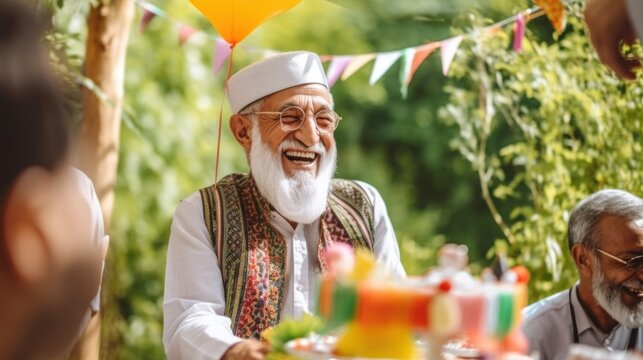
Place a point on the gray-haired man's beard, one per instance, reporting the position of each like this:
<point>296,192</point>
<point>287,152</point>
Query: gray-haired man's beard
<point>608,296</point>
<point>300,198</point>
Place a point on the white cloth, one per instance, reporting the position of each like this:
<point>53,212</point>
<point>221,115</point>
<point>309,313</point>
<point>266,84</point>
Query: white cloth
<point>548,328</point>
<point>273,74</point>
<point>86,188</point>
<point>194,302</point>
<point>98,237</point>
<point>635,12</point>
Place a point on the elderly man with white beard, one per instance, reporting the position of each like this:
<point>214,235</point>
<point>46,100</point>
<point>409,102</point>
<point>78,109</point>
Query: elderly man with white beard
<point>605,308</point>
<point>245,253</point>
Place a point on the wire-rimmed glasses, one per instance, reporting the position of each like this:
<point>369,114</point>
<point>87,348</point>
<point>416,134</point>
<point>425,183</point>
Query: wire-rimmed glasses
<point>292,117</point>
<point>634,264</point>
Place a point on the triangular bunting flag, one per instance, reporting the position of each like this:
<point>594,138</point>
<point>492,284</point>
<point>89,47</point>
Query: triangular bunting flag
<point>146,18</point>
<point>356,63</point>
<point>407,60</point>
<point>185,32</point>
<point>449,48</point>
<point>221,53</point>
<point>421,53</point>
<point>383,62</point>
<point>337,66</point>
<point>519,32</point>
<point>555,13</point>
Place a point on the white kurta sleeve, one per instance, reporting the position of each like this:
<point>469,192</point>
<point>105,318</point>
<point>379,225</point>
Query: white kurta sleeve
<point>86,188</point>
<point>385,245</point>
<point>194,326</point>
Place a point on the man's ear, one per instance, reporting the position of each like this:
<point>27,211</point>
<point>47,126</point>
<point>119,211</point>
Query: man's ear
<point>582,259</point>
<point>28,251</point>
<point>242,130</point>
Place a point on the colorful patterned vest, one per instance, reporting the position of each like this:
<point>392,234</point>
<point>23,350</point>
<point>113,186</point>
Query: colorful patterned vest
<point>252,254</point>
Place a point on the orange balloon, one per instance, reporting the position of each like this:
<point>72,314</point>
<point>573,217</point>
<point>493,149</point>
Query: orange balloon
<point>235,19</point>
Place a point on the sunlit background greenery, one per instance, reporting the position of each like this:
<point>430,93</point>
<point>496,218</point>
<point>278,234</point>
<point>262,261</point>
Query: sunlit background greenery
<point>521,137</point>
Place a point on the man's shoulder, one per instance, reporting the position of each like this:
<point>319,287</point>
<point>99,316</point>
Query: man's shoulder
<point>355,185</point>
<point>546,312</point>
<point>551,304</point>
<point>205,195</point>
<point>546,325</point>
<point>230,179</point>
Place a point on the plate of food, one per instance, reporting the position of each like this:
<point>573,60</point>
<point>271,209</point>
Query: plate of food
<point>313,347</point>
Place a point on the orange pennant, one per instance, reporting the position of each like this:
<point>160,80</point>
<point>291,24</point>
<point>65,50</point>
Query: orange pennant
<point>555,13</point>
<point>421,53</point>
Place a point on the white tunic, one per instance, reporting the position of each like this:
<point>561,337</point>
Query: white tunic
<point>195,326</point>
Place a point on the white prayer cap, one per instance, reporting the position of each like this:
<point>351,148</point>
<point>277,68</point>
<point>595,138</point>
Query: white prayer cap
<point>274,74</point>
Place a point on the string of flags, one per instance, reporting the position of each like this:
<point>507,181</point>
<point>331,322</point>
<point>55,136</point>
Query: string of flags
<point>344,66</point>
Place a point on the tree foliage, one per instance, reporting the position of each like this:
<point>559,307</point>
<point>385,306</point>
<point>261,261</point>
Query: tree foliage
<point>543,129</point>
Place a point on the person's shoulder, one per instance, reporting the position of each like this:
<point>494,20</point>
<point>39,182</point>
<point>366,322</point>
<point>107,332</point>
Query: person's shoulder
<point>83,181</point>
<point>544,311</point>
<point>193,198</point>
<point>190,204</point>
<point>369,189</point>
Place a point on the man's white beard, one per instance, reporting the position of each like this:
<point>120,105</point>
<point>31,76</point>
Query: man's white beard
<point>301,198</point>
<point>608,296</point>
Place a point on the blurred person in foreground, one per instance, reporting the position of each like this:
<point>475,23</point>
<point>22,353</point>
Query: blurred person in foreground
<point>49,266</point>
<point>245,253</point>
<point>610,24</point>
<point>605,308</point>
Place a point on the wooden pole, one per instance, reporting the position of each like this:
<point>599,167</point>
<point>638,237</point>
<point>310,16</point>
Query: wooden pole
<point>105,51</point>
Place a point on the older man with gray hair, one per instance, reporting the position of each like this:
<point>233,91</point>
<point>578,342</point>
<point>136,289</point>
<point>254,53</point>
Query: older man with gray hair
<point>604,309</point>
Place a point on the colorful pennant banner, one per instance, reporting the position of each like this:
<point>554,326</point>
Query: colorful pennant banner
<point>344,66</point>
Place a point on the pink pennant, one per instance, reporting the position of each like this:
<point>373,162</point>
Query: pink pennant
<point>146,18</point>
<point>185,32</point>
<point>519,32</point>
<point>336,68</point>
<point>449,48</point>
<point>421,53</point>
<point>221,53</point>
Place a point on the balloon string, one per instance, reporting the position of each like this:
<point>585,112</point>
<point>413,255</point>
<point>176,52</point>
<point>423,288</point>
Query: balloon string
<point>225,93</point>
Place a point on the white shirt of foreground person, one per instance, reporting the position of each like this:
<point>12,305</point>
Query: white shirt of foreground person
<point>86,189</point>
<point>194,302</point>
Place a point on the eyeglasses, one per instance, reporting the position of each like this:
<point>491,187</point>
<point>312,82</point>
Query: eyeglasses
<point>634,264</point>
<point>292,117</point>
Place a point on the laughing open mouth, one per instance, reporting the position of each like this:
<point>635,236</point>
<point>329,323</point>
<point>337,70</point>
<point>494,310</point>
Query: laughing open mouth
<point>633,291</point>
<point>301,157</point>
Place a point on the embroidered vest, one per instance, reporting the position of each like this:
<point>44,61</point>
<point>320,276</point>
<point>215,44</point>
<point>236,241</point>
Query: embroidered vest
<point>252,254</point>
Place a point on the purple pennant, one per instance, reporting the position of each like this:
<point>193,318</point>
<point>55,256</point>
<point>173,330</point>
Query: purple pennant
<point>221,53</point>
<point>519,32</point>
<point>336,68</point>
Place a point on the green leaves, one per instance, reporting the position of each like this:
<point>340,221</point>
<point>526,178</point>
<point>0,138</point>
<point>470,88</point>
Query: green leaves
<point>563,127</point>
